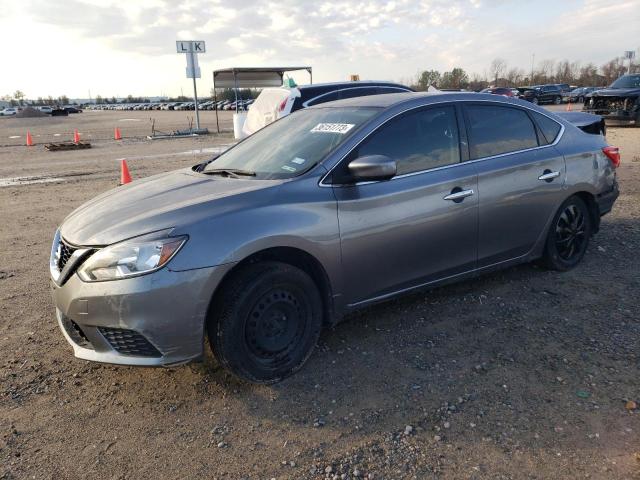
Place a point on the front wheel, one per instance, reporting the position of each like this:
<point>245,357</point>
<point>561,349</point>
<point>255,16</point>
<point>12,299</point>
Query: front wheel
<point>568,235</point>
<point>265,322</point>
<point>535,101</point>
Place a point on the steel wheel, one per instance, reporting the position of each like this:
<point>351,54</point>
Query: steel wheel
<point>570,233</point>
<point>276,321</point>
<point>265,321</point>
<point>557,100</point>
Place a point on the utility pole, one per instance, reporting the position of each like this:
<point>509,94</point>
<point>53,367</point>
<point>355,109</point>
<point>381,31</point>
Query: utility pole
<point>533,59</point>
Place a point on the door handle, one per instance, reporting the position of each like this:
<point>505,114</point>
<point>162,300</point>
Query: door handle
<point>457,195</point>
<point>548,175</point>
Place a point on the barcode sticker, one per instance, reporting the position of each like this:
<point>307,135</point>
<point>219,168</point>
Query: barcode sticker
<point>340,128</point>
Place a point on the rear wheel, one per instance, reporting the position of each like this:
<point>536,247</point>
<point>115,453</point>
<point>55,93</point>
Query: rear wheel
<point>568,235</point>
<point>265,322</point>
<point>535,100</point>
<point>557,100</point>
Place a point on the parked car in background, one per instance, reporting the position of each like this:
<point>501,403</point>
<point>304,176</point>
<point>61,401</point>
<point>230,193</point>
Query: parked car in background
<point>45,109</point>
<point>504,91</point>
<point>577,95</point>
<point>539,94</point>
<point>564,87</point>
<point>331,209</point>
<point>72,109</point>
<point>9,111</point>
<point>618,104</point>
<point>275,103</point>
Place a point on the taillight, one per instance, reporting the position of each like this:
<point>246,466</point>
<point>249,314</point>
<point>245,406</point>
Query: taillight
<point>613,153</point>
<point>282,105</point>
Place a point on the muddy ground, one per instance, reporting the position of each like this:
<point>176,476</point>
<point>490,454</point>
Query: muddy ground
<point>521,374</point>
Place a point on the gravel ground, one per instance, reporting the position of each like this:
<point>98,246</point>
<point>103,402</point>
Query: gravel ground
<point>521,374</point>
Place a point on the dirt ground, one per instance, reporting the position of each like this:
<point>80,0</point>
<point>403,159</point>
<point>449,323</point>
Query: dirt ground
<point>521,374</point>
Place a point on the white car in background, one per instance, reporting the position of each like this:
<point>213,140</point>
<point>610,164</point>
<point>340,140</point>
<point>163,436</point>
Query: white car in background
<point>45,109</point>
<point>9,111</point>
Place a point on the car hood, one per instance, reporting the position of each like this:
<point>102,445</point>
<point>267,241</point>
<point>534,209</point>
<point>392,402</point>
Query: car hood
<point>615,92</point>
<point>163,201</point>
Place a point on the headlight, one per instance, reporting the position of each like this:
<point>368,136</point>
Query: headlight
<point>130,258</point>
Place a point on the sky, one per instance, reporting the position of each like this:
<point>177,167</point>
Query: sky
<point>122,47</point>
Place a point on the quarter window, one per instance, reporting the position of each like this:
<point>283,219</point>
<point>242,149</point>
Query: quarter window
<point>417,141</point>
<point>549,128</point>
<point>494,130</point>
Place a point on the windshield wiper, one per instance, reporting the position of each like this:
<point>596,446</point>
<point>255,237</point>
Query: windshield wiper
<point>230,172</point>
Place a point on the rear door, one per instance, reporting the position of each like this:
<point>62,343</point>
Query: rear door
<point>520,178</point>
<point>419,226</point>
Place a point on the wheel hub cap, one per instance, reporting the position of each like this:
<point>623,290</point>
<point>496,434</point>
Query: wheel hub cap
<point>273,323</point>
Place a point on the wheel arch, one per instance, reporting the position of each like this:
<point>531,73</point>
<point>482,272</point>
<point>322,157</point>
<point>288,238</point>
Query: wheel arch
<point>590,200</point>
<point>295,257</point>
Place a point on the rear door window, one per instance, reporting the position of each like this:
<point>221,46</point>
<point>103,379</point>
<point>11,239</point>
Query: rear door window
<point>327,97</point>
<point>494,130</point>
<point>357,92</point>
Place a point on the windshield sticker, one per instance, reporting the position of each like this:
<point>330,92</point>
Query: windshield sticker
<point>298,160</point>
<point>288,168</point>
<point>340,128</point>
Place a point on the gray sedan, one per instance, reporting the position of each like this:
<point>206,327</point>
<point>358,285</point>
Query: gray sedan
<point>329,209</point>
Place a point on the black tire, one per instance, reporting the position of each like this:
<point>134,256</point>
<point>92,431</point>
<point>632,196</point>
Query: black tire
<point>535,101</point>
<point>568,236</point>
<point>265,322</point>
<point>557,100</point>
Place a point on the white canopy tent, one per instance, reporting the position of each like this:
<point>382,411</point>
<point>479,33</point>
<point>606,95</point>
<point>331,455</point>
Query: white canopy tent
<point>251,77</point>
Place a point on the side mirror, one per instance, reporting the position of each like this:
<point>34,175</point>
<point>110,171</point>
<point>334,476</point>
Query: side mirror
<point>372,167</point>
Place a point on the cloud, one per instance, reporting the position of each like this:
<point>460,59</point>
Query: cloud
<point>130,46</point>
<point>328,28</point>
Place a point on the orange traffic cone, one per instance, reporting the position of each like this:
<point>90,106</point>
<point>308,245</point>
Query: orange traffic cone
<point>116,134</point>
<point>125,176</point>
<point>29,140</point>
<point>76,136</point>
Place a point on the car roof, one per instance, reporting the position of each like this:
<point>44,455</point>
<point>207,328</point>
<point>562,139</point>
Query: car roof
<point>350,84</point>
<point>419,98</point>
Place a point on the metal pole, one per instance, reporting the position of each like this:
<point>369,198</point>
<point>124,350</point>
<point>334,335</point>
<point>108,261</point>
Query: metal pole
<point>195,91</point>
<point>533,59</point>
<point>215,102</point>
<point>235,84</point>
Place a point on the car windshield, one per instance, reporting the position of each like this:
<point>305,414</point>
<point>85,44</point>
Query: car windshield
<point>628,81</point>
<point>293,145</point>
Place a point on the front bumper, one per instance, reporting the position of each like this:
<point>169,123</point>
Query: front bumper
<point>616,117</point>
<point>152,320</point>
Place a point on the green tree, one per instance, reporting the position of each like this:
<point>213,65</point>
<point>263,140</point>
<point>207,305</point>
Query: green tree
<point>19,96</point>
<point>428,78</point>
<point>455,79</point>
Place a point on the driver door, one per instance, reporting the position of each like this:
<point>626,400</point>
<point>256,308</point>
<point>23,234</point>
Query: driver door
<point>419,227</point>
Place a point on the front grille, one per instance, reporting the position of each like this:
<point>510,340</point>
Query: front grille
<point>129,342</point>
<point>65,254</point>
<point>613,103</point>
<point>75,333</point>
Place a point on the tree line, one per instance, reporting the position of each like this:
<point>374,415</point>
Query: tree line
<point>499,74</point>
